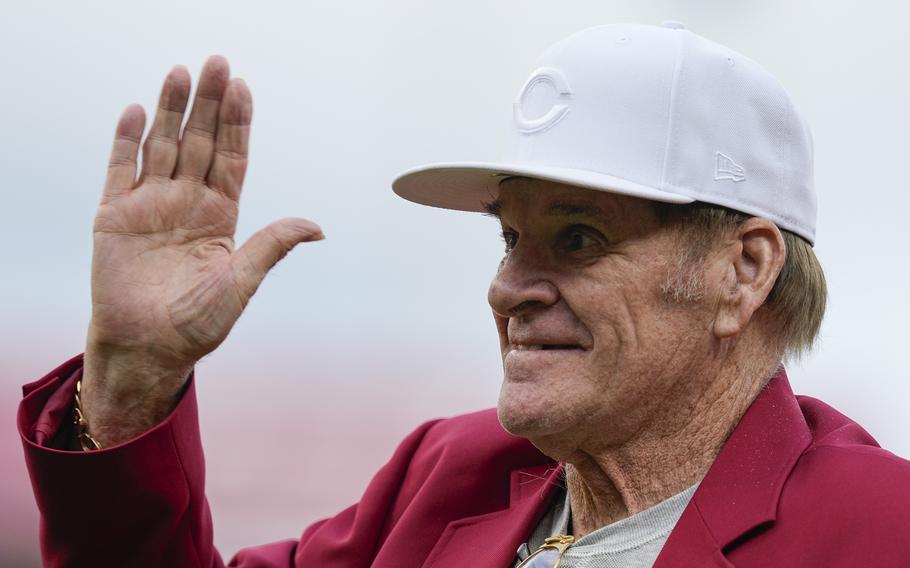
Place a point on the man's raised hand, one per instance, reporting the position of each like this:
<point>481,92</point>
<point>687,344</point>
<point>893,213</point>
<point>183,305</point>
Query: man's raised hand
<point>167,282</point>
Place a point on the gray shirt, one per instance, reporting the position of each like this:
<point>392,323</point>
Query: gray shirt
<point>633,542</point>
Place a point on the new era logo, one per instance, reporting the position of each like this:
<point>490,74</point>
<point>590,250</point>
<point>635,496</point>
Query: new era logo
<point>726,168</point>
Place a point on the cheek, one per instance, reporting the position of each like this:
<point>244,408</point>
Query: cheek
<point>612,310</point>
<point>629,320</point>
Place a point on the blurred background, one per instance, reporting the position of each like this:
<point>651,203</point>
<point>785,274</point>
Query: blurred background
<point>353,341</point>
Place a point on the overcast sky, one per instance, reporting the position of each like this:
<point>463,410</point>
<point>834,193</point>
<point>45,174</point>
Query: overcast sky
<point>390,310</point>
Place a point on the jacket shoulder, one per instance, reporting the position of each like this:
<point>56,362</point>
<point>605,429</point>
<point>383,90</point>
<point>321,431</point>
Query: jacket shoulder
<point>856,474</point>
<point>473,438</point>
<point>845,479</point>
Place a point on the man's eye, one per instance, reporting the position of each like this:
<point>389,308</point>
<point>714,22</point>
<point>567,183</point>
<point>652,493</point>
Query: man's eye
<point>509,238</point>
<point>577,239</point>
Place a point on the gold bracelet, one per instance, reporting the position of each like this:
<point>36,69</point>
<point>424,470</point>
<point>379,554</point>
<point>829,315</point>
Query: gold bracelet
<point>85,439</point>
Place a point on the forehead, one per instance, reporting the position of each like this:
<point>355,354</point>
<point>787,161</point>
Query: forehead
<point>525,197</point>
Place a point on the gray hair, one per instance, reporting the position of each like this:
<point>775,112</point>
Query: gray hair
<point>796,304</point>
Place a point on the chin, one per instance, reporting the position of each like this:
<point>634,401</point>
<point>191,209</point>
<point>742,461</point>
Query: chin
<point>527,414</point>
<point>542,429</point>
<point>551,419</point>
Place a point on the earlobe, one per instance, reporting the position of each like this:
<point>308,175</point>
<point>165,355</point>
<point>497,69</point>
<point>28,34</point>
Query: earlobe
<point>755,260</point>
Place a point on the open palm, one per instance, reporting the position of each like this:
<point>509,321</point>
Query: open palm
<point>166,278</point>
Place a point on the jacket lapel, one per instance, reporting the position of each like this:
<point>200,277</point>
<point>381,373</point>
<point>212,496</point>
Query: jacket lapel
<point>742,488</point>
<point>739,493</point>
<point>491,539</point>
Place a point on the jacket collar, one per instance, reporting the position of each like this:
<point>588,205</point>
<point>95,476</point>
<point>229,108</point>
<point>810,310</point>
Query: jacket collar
<point>492,539</point>
<point>742,488</point>
<point>740,492</point>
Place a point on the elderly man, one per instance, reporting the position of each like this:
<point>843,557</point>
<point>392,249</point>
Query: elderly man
<point>658,214</point>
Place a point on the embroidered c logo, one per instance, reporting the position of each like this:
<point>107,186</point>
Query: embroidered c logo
<point>554,78</point>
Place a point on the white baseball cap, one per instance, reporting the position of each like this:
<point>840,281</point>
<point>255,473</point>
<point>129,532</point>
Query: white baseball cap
<point>648,111</point>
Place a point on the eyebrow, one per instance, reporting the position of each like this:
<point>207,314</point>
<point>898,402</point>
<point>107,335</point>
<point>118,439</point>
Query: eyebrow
<point>493,208</point>
<point>556,209</point>
<point>572,209</point>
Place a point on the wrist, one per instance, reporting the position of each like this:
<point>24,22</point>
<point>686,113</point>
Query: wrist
<point>125,394</point>
<point>83,437</point>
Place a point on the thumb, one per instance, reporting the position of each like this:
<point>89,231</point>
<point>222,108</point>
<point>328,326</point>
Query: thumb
<point>266,247</point>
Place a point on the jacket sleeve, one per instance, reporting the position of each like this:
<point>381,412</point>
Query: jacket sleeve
<point>142,503</point>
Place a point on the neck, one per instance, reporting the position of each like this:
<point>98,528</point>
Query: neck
<point>669,454</point>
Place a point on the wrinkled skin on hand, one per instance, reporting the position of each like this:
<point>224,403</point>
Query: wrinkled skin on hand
<point>167,282</point>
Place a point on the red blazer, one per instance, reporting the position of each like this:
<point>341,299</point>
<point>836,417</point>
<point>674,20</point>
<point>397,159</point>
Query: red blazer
<point>796,484</point>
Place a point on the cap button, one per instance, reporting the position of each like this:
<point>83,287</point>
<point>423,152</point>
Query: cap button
<point>674,25</point>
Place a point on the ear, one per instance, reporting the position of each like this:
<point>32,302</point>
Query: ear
<point>751,262</point>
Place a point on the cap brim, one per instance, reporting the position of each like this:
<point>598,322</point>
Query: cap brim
<point>468,186</point>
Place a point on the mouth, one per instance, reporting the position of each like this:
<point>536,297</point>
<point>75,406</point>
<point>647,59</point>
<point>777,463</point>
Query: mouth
<point>544,347</point>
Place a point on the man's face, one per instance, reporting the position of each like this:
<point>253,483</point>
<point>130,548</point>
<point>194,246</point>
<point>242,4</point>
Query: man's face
<point>592,348</point>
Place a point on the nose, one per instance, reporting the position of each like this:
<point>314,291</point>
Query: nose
<point>521,284</point>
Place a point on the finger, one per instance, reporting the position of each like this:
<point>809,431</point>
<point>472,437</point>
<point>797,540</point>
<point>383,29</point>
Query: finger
<point>232,140</point>
<point>121,170</point>
<point>159,153</point>
<point>198,141</point>
<point>266,247</point>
